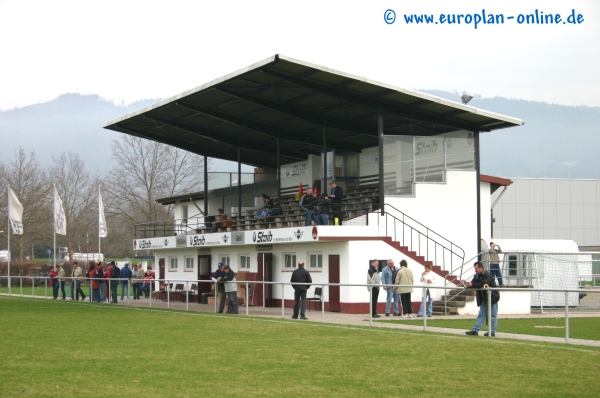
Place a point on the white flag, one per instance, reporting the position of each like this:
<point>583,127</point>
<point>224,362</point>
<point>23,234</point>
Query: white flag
<point>101,220</point>
<point>60,220</point>
<point>15,213</point>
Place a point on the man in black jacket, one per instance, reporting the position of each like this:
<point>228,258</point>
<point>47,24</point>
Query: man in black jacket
<point>336,196</point>
<point>115,274</point>
<point>300,275</point>
<point>483,279</point>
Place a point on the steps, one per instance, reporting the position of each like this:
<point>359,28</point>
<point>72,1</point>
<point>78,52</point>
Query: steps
<point>457,298</point>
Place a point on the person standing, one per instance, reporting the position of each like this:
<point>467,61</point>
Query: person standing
<point>374,280</point>
<point>126,275</point>
<point>300,275</point>
<point>219,275</point>
<point>77,274</point>
<point>336,196</point>
<point>136,274</point>
<point>95,282</point>
<point>405,277</point>
<point>307,205</point>
<point>495,262</point>
<point>102,283</point>
<point>484,279</point>
<point>427,279</point>
<point>230,289</point>
<point>388,277</point>
<point>115,274</point>
<point>53,282</point>
<point>62,279</point>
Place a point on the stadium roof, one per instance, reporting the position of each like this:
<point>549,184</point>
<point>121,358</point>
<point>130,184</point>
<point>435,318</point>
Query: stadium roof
<point>292,102</point>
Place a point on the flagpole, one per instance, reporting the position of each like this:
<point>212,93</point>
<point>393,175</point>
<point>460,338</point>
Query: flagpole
<point>99,232</point>
<point>54,228</point>
<point>9,225</point>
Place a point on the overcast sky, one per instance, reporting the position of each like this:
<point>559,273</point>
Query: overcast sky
<point>128,50</point>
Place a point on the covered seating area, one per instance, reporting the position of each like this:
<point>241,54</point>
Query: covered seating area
<point>281,110</point>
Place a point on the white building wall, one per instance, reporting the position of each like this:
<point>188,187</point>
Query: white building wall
<point>354,264</point>
<point>449,209</point>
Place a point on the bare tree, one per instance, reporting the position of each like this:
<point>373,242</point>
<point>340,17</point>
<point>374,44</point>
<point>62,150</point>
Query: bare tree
<point>30,183</point>
<point>145,171</point>
<point>79,193</point>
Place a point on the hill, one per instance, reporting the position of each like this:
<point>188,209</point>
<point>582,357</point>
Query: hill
<point>552,139</point>
<point>556,140</point>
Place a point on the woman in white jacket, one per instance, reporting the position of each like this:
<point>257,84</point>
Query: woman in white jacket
<point>427,279</point>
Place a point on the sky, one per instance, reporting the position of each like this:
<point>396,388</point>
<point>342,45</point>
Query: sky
<point>128,50</point>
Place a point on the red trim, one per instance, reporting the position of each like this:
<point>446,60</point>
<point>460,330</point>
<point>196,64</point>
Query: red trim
<point>345,308</point>
<point>495,180</point>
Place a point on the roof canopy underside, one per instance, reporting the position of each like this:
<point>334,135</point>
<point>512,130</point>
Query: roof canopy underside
<point>295,101</point>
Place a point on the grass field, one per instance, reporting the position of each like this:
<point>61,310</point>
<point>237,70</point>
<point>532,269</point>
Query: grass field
<point>579,328</point>
<point>79,349</point>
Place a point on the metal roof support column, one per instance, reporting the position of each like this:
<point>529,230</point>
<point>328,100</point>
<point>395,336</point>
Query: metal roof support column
<point>478,187</point>
<point>205,183</point>
<point>239,180</point>
<point>324,180</point>
<point>278,171</point>
<point>381,173</point>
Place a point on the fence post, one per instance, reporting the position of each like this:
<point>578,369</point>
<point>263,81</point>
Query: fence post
<point>21,286</point>
<point>32,287</point>
<point>216,287</point>
<point>489,312</point>
<point>566,317</point>
<point>424,305</point>
<point>282,300</point>
<point>246,300</point>
<point>370,306</point>
<point>168,296</point>
<point>323,303</point>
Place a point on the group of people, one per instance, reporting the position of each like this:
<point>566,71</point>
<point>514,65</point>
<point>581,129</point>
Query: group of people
<point>227,288</point>
<point>103,280</point>
<point>317,209</point>
<point>399,297</point>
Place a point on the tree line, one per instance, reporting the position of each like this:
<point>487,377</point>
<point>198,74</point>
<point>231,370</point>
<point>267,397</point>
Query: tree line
<point>142,171</point>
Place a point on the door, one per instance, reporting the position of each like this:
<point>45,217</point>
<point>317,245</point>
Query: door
<point>334,277</point>
<point>204,274</point>
<point>161,269</point>
<point>263,294</point>
<point>519,269</point>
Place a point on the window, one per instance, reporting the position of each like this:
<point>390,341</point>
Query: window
<point>189,263</point>
<point>315,260</point>
<point>224,259</point>
<point>172,263</point>
<point>244,261</point>
<point>289,260</point>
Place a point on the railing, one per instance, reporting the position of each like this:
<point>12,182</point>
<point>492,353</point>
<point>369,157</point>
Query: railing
<point>460,274</point>
<point>283,285</point>
<point>428,243</point>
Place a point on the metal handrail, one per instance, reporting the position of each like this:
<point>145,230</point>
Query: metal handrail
<point>454,250</point>
<point>452,273</point>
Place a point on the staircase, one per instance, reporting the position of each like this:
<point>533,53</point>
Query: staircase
<point>455,298</point>
<point>451,302</point>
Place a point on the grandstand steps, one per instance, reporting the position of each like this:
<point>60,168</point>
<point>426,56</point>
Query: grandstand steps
<point>457,298</point>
